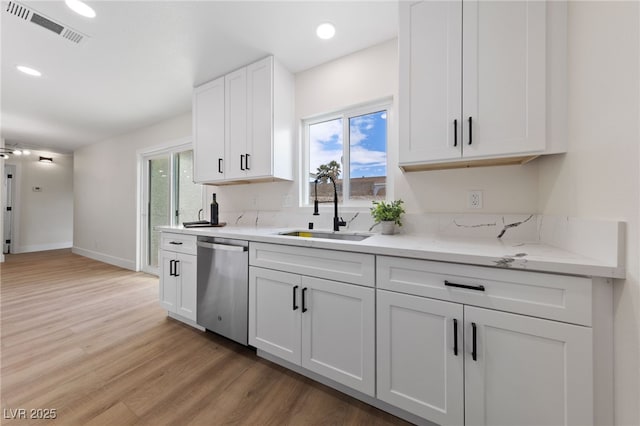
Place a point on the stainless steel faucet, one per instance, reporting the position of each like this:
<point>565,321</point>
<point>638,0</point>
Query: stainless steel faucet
<point>337,221</point>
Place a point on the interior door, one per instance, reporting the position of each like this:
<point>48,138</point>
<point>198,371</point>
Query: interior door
<point>7,206</point>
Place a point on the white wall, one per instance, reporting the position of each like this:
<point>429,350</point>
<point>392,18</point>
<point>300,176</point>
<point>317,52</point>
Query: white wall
<point>105,176</point>
<point>599,176</point>
<point>369,75</point>
<point>42,220</point>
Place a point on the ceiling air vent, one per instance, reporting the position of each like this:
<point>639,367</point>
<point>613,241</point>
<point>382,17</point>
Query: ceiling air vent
<point>17,10</point>
<point>31,15</point>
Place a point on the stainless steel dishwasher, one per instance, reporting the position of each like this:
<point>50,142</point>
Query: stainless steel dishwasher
<point>223,287</point>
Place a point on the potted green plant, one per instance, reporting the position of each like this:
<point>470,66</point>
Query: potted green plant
<point>388,214</point>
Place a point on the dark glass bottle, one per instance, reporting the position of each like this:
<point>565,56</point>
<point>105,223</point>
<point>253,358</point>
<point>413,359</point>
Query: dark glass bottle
<point>214,211</point>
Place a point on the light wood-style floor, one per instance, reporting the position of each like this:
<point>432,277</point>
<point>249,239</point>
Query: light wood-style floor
<point>90,341</point>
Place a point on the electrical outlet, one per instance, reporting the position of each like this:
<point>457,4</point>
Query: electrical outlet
<point>474,200</point>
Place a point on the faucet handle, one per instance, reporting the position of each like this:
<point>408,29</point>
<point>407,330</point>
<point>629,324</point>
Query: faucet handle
<point>341,222</point>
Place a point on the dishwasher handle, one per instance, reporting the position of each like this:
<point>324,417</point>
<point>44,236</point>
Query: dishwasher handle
<point>226,247</point>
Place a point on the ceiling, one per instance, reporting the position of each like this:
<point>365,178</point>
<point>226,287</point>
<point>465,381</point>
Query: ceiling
<point>139,60</point>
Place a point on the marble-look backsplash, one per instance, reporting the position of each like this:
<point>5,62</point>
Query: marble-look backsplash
<point>520,227</point>
<point>603,240</point>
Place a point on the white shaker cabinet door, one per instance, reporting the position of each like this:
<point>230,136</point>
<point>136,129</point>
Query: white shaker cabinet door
<point>208,131</point>
<point>420,356</point>
<point>186,285</point>
<point>526,371</point>
<point>338,332</point>
<point>260,118</point>
<point>504,78</point>
<point>274,313</point>
<point>430,80</point>
<point>235,85</point>
<point>167,289</point>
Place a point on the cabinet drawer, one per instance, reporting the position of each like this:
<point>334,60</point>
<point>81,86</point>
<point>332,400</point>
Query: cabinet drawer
<point>356,268</point>
<point>558,297</point>
<point>179,243</point>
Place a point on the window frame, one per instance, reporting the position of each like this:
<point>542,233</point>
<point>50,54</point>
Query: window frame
<point>345,114</point>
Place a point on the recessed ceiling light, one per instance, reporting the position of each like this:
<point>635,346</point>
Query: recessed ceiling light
<point>326,31</point>
<point>29,71</point>
<point>81,8</point>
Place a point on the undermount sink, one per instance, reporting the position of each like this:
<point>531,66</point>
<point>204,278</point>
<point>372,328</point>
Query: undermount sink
<point>326,235</point>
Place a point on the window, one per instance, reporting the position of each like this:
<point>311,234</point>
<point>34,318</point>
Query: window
<point>351,147</point>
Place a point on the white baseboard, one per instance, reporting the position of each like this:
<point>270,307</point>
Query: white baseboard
<point>106,258</point>
<point>43,247</point>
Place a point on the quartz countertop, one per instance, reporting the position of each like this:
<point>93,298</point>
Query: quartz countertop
<point>481,251</point>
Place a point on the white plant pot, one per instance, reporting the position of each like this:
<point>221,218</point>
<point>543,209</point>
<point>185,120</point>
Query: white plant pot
<point>388,227</point>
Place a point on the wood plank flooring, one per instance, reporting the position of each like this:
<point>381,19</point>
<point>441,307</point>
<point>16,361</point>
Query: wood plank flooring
<point>91,341</point>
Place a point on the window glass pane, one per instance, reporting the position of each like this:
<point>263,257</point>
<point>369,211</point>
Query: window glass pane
<point>368,156</point>
<point>325,157</point>
<point>189,193</point>
<point>159,203</point>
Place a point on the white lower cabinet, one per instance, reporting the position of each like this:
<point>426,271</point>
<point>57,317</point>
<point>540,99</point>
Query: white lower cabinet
<point>454,364</point>
<point>324,326</point>
<point>419,369</point>
<point>178,276</point>
<point>526,370</point>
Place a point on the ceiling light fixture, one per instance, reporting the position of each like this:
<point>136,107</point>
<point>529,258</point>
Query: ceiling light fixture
<point>326,31</point>
<point>14,150</point>
<point>81,8</point>
<point>47,160</point>
<point>28,71</point>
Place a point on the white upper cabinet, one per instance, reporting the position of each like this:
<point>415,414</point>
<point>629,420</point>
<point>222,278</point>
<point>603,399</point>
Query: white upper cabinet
<point>253,115</point>
<point>235,90</point>
<point>475,79</point>
<point>208,131</point>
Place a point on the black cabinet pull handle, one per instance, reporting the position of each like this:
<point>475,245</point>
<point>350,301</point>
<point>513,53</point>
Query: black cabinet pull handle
<point>455,337</point>
<point>171,263</point>
<point>468,287</point>
<point>241,161</point>
<point>304,300</point>
<point>175,268</point>
<point>175,243</point>
<point>219,165</point>
<point>470,131</point>
<point>246,161</point>
<point>295,306</point>
<point>455,133</point>
<point>474,353</point>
